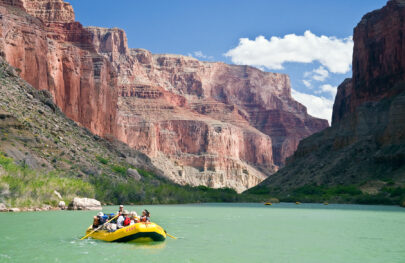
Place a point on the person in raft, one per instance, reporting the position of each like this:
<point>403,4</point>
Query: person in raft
<point>99,219</point>
<point>121,209</point>
<point>123,220</point>
<point>145,216</point>
<point>134,218</point>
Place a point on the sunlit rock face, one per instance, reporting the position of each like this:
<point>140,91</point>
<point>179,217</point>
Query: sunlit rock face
<point>202,123</point>
<point>367,137</point>
<point>50,11</point>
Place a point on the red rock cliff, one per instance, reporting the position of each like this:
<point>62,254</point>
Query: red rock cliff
<point>202,123</point>
<point>59,57</point>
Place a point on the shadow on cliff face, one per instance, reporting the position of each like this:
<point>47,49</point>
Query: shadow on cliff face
<point>361,158</point>
<point>364,151</point>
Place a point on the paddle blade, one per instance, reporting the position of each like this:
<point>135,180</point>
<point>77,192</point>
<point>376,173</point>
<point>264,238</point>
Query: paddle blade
<point>171,236</point>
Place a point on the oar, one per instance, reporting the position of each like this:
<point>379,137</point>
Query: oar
<point>86,236</point>
<point>170,235</point>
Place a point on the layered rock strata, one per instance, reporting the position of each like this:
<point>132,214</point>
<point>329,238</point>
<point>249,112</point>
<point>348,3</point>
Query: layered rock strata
<point>202,123</point>
<point>367,139</point>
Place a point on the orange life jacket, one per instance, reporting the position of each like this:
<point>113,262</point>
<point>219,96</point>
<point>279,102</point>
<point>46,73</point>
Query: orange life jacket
<point>144,219</point>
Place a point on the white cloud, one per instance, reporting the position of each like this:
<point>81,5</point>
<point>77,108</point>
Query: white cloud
<point>320,74</point>
<point>327,88</point>
<point>307,74</point>
<point>333,53</point>
<point>320,107</point>
<point>200,54</point>
<point>307,83</point>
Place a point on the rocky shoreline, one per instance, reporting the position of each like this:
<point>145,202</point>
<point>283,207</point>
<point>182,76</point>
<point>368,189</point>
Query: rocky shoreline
<point>76,204</point>
<point>4,209</point>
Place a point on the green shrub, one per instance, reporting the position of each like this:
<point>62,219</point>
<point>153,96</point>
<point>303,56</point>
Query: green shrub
<point>119,169</point>
<point>309,190</point>
<point>259,190</point>
<point>27,187</point>
<point>144,173</point>
<point>202,188</point>
<point>374,199</point>
<point>395,191</point>
<point>344,189</point>
<point>102,160</point>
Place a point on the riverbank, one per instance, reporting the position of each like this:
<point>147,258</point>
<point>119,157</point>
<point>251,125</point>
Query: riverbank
<point>272,202</point>
<point>368,193</point>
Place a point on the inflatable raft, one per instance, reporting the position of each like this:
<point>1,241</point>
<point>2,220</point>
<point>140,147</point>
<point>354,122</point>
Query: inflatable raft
<point>139,232</point>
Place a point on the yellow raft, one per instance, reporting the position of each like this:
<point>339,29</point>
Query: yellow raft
<point>139,232</point>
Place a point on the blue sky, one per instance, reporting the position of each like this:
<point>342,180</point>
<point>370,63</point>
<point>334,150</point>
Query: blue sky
<point>210,29</point>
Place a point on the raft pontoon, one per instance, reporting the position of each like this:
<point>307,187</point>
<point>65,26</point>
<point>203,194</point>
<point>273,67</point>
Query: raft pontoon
<point>139,232</point>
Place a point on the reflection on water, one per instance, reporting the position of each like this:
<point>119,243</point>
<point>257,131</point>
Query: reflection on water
<point>147,245</point>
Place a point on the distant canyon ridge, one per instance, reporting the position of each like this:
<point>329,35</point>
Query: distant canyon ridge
<point>201,123</point>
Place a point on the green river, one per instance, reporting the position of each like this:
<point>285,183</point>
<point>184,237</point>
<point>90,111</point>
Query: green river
<point>217,233</point>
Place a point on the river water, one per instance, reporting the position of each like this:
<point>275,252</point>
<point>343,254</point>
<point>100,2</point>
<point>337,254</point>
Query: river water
<point>217,233</point>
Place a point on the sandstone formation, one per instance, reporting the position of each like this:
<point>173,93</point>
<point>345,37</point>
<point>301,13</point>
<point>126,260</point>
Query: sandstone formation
<point>84,204</point>
<point>367,139</point>
<point>43,150</point>
<point>201,123</point>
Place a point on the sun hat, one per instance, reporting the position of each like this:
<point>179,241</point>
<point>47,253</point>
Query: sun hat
<point>125,212</point>
<point>100,214</point>
<point>133,213</point>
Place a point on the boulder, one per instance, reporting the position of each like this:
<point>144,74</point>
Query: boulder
<point>3,208</point>
<point>46,207</point>
<point>62,205</point>
<point>84,204</point>
<point>57,194</point>
<point>14,209</point>
<point>134,174</point>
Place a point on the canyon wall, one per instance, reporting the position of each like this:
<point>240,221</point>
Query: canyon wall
<point>59,57</point>
<point>202,123</point>
<point>367,139</point>
<point>379,57</point>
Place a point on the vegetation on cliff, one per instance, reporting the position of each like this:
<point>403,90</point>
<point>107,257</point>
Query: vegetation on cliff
<point>42,151</point>
<point>21,186</point>
<point>389,194</point>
